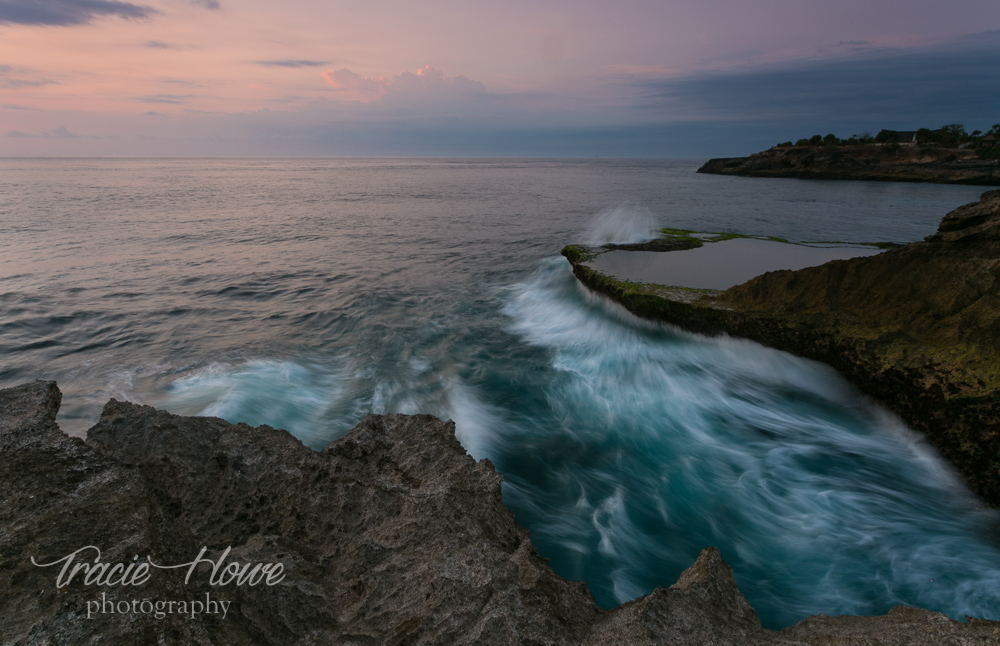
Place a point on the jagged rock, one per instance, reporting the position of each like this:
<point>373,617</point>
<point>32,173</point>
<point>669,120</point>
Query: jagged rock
<point>390,535</point>
<point>392,530</point>
<point>58,495</point>
<point>703,607</point>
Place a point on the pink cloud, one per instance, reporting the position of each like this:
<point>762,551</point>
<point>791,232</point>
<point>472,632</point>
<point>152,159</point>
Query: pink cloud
<point>355,87</point>
<point>428,84</point>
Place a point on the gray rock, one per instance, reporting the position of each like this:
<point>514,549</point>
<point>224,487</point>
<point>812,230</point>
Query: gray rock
<point>704,607</point>
<point>390,535</point>
<point>902,626</point>
<point>58,495</point>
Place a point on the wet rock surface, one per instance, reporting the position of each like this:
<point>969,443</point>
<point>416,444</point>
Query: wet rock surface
<point>390,535</point>
<point>916,327</point>
<point>892,164</point>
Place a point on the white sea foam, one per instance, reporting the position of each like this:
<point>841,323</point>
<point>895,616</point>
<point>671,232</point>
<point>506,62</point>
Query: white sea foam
<point>824,500</point>
<point>318,402</point>
<point>627,223</point>
<point>281,393</point>
<point>631,445</point>
<point>476,422</point>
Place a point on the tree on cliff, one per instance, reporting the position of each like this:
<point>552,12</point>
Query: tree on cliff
<point>947,136</point>
<point>887,137</point>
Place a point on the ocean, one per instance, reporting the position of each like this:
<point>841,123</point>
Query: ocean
<point>306,293</point>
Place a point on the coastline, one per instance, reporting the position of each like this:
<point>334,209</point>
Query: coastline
<point>498,368</point>
<point>913,327</point>
<point>863,163</point>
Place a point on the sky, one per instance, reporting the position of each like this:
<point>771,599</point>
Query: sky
<point>445,77</point>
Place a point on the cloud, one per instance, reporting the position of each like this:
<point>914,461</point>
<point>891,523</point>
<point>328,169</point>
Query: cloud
<point>15,83</point>
<point>165,98</point>
<point>68,12</point>
<point>19,83</point>
<point>56,133</point>
<point>157,44</point>
<point>426,86</point>
<point>292,63</point>
<point>888,87</point>
<point>452,137</point>
<point>208,4</point>
<point>355,87</point>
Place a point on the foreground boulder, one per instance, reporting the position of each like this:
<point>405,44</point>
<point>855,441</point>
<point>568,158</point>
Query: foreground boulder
<point>390,535</point>
<point>916,327</point>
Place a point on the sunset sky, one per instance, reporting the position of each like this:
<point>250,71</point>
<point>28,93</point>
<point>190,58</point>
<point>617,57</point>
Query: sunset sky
<point>387,77</point>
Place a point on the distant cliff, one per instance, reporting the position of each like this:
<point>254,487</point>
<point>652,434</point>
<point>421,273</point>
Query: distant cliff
<point>916,327</point>
<point>390,535</point>
<point>891,163</point>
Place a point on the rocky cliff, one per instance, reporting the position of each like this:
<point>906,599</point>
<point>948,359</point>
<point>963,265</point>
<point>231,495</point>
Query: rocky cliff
<point>916,327</point>
<point>390,535</point>
<point>889,163</point>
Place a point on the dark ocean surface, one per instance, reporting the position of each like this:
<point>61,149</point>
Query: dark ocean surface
<point>305,293</point>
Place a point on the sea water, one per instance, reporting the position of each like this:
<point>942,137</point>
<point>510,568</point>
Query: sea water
<point>720,265</point>
<point>306,293</point>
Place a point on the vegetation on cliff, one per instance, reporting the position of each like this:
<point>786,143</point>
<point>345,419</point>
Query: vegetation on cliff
<point>947,155</point>
<point>951,135</point>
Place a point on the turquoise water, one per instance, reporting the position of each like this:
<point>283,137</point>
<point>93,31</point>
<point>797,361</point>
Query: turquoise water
<point>307,293</point>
